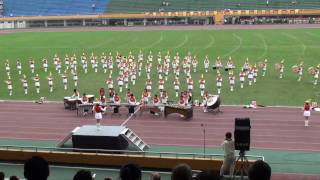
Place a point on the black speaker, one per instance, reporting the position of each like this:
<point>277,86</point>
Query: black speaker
<point>242,134</point>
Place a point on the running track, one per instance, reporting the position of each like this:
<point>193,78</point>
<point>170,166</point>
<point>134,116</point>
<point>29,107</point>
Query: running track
<point>272,128</point>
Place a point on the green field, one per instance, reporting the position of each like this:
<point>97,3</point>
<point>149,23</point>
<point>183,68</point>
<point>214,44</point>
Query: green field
<point>293,45</point>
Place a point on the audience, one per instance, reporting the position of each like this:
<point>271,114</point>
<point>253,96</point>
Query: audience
<point>155,176</point>
<point>14,178</point>
<point>181,172</point>
<point>130,172</point>
<point>83,175</point>
<point>208,175</point>
<point>259,170</point>
<point>2,175</point>
<point>36,168</point>
<point>108,178</point>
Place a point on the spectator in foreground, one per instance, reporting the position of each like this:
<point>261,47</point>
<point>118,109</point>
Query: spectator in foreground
<point>181,172</point>
<point>130,172</point>
<point>14,178</point>
<point>83,175</point>
<point>155,176</point>
<point>108,178</point>
<point>229,157</point>
<point>2,175</point>
<point>208,175</point>
<point>260,170</point>
<point>36,168</point>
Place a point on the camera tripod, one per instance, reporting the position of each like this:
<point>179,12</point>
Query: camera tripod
<point>243,169</point>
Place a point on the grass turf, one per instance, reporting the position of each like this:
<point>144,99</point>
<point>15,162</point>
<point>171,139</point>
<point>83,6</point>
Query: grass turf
<point>293,45</point>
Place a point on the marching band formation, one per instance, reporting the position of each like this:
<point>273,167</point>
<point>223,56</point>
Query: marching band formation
<point>126,70</point>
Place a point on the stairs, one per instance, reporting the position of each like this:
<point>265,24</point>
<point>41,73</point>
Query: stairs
<point>133,138</point>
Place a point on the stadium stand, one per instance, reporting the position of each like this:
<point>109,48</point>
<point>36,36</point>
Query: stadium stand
<point>1,8</point>
<point>196,5</point>
<point>53,7</point>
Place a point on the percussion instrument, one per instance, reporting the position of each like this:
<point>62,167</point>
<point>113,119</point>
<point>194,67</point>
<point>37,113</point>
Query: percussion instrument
<point>90,98</point>
<point>187,112</point>
<point>213,102</point>
<point>70,103</point>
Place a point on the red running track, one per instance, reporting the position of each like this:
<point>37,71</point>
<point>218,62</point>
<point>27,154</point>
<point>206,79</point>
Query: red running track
<point>272,128</point>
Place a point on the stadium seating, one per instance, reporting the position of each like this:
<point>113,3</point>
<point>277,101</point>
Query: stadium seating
<point>53,7</point>
<point>193,5</point>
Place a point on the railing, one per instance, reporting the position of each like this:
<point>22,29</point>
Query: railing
<point>123,152</point>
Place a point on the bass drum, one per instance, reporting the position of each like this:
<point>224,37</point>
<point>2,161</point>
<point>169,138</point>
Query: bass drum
<point>213,102</point>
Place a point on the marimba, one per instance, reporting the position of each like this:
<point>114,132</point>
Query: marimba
<point>187,111</point>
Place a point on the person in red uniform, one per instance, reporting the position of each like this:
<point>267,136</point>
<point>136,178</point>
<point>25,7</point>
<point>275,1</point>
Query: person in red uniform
<point>97,109</point>
<point>102,95</point>
<point>132,102</point>
<point>306,113</point>
<point>116,101</point>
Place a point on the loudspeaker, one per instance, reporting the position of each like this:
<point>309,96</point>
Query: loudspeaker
<point>242,134</point>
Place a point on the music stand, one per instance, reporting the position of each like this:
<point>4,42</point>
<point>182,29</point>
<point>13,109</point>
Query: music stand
<point>243,170</point>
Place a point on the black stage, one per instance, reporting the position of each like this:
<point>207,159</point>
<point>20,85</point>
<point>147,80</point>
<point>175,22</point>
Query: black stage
<point>106,137</point>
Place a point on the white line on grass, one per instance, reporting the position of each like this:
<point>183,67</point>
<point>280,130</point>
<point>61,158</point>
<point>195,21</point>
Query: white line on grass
<point>212,41</point>
<point>304,47</point>
<point>185,40</point>
<point>235,49</point>
<point>154,43</point>
<point>265,46</point>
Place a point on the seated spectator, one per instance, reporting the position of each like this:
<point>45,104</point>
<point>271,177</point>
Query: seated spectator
<point>130,172</point>
<point>14,178</point>
<point>155,176</point>
<point>83,175</point>
<point>108,178</point>
<point>260,170</point>
<point>181,172</point>
<point>2,175</point>
<point>208,175</point>
<point>36,168</point>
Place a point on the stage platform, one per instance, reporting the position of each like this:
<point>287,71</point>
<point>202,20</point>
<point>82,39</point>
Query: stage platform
<point>105,137</point>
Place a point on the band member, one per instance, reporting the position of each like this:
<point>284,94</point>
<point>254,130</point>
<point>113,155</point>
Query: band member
<point>84,66</point>
<point>45,64</point>
<point>97,109</point>
<point>219,82</point>
<point>156,100</point>
<point>194,64</point>
<point>148,70</point>
<point>132,102</point>
<point>264,67</point>
<point>300,70</point>
<point>31,64</point>
<point>95,64</point>
<point>166,71</point>
<point>161,85</point>
<point>85,100</point>
<point>58,66</point>
<point>250,76</point>
<point>176,86</point>
<point>246,65</point>
<point>145,96</point>
<point>281,69</point>
<point>242,76</point>
<point>206,63</point>
<point>133,76</point>
<point>36,80</point>
<point>116,101</point>
<point>218,63</point>
<point>75,79</point>
<point>149,87</point>
<point>159,57</point>
<point>109,82</point>
<point>110,64</point>
<point>64,77</point>
<point>9,85</point>
<point>190,85</point>
<point>255,73</point>
<point>50,82</point>
<point>205,101</point>
<point>306,113</point>
<point>182,103</point>
<point>7,66</point>
<point>25,84</point>
<point>229,65</point>
<point>67,61</point>
<point>126,79</point>
<point>120,82</point>
<point>202,83</point>
<point>104,65</point>
<point>232,79</point>
<point>111,95</point>
<point>102,95</point>
<point>19,66</point>
<point>316,75</point>
<point>75,94</point>
<point>164,97</point>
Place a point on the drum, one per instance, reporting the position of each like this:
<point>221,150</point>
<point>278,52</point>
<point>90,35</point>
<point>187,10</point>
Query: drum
<point>213,102</point>
<point>65,102</point>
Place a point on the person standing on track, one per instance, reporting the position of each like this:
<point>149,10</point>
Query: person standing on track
<point>97,109</point>
<point>306,113</point>
<point>229,156</point>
